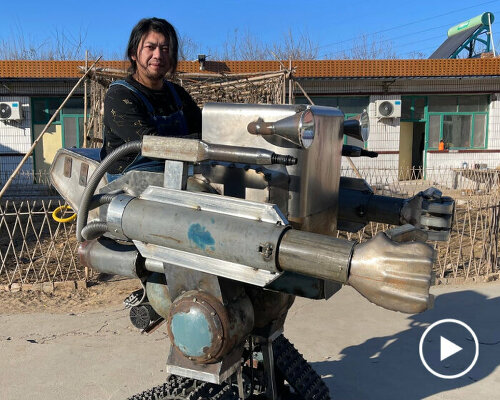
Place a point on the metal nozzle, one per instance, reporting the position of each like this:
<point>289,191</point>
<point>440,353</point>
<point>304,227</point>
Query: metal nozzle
<point>396,276</point>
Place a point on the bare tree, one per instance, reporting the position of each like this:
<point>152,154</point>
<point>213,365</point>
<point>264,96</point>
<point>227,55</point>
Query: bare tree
<point>248,47</point>
<point>366,48</point>
<point>301,48</point>
<point>59,45</point>
<point>188,48</point>
<point>66,46</point>
<point>241,47</point>
<point>415,55</point>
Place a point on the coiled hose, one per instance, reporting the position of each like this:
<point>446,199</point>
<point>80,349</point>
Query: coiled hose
<point>101,199</point>
<point>94,230</point>
<point>97,228</point>
<point>83,211</point>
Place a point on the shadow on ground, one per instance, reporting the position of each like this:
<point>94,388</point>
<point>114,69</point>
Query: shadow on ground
<point>389,367</point>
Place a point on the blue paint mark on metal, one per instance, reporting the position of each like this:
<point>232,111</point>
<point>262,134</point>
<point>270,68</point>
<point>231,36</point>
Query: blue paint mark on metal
<point>191,333</point>
<point>201,237</point>
<point>212,220</point>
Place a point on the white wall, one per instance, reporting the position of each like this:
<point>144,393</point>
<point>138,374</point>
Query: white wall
<point>15,136</point>
<point>384,136</point>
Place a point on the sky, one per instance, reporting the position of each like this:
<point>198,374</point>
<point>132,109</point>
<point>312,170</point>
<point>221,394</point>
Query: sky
<point>333,26</point>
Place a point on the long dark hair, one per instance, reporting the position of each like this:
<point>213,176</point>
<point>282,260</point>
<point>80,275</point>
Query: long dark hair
<point>159,25</point>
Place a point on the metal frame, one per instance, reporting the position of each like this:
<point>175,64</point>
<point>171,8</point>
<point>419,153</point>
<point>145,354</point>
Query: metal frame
<point>335,99</point>
<point>469,44</point>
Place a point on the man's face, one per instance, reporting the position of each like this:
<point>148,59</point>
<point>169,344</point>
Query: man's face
<point>152,58</point>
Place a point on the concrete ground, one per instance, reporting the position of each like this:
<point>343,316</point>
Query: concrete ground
<point>361,350</point>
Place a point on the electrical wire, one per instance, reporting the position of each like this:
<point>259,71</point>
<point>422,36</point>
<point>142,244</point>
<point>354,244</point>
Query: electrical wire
<point>407,24</point>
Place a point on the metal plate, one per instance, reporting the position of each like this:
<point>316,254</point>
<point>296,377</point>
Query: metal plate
<point>84,173</point>
<point>218,204</point>
<point>68,162</point>
<point>318,168</point>
<point>242,273</point>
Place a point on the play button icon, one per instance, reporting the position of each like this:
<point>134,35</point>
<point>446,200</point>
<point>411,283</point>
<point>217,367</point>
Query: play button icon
<point>449,348</point>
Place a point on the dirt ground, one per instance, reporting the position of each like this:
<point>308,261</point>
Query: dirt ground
<point>97,295</point>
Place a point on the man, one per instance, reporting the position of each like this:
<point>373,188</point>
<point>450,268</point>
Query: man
<point>145,103</point>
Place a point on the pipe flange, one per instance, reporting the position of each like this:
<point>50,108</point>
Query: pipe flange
<point>198,326</point>
<point>114,215</point>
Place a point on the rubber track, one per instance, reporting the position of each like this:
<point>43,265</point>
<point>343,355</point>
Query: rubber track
<point>297,372</point>
<point>178,388</point>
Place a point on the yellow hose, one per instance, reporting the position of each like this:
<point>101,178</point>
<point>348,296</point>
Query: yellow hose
<point>62,209</point>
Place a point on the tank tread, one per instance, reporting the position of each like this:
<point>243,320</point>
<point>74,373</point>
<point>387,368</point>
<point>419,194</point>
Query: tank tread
<point>179,388</point>
<point>297,372</point>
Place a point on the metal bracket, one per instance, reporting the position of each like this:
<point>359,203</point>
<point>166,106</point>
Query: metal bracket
<point>175,176</point>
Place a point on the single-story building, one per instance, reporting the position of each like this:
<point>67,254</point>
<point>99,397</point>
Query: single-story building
<point>413,105</point>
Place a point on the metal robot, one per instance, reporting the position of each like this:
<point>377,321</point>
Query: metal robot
<point>239,224</point>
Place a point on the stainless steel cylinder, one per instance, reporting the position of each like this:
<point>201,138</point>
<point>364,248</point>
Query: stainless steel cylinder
<point>217,235</point>
<point>158,294</point>
<point>315,255</point>
<point>107,256</point>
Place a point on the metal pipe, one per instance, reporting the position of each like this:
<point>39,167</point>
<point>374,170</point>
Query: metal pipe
<point>107,256</point>
<point>192,150</point>
<point>225,237</point>
<point>311,254</point>
<point>154,265</point>
<point>364,206</point>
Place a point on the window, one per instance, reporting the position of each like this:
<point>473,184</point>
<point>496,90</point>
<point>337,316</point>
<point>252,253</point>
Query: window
<point>44,108</point>
<point>460,121</point>
<point>348,104</point>
<point>443,104</point>
<point>413,108</point>
<point>456,130</point>
<point>434,130</point>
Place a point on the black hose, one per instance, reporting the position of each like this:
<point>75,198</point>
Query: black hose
<point>94,230</point>
<point>100,199</point>
<point>283,159</point>
<point>83,210</point>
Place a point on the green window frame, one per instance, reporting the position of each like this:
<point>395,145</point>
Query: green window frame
<point>44,107</point>
<point>460,126</point>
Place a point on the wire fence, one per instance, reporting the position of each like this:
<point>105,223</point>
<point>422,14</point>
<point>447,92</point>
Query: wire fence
<point>35,249</point>
<point>456,182</point>
<point>472,251</point>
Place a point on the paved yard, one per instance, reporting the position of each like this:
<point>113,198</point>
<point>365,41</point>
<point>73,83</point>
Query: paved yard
<point>362,351</point>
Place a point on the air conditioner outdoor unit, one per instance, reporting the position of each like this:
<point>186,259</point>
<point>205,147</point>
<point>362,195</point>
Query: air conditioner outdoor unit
<point>10,110</point>
<point>388,108</point>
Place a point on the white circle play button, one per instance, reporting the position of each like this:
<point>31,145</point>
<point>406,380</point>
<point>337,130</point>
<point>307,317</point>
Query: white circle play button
<point>449,348</point>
